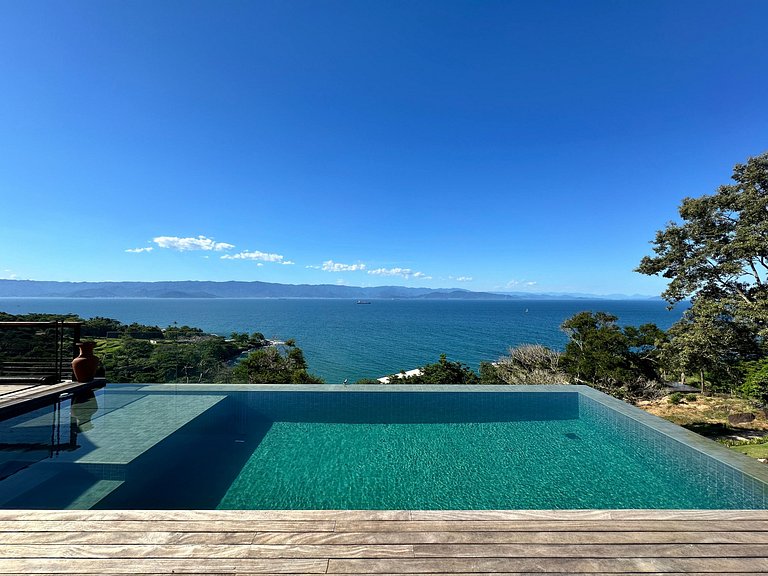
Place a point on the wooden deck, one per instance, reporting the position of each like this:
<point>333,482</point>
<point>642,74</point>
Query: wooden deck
<point>17,395</point>
<point>383,542</point>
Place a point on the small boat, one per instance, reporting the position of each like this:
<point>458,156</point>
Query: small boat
<point>363,302</point>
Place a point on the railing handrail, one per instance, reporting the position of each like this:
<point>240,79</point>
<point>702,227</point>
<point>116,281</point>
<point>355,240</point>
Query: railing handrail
<point>60,358</point>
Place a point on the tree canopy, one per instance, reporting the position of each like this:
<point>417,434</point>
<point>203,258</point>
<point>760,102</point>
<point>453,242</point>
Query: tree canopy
<point>718,258</point>
<point>720,251</point>
<point>602,353</point>
<point>442,372</point>
<point>272,366</point>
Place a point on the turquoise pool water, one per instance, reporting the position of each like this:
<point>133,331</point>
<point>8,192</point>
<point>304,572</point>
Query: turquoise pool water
<point>246,447</point>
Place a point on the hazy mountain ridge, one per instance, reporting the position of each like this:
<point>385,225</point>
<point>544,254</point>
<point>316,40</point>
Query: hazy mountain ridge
<point>257,289</point>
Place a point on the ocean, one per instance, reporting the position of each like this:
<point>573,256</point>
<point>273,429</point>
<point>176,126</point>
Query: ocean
<point>345,340</point>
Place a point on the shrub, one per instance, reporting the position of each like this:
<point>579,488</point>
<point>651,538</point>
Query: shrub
<point>531,364</point>
<point>675,398</point>
<point>755,386</point>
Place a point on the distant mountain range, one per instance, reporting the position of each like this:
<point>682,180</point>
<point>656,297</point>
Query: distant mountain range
<point>234,289</point>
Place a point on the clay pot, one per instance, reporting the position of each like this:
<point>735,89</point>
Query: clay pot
<point>84,366</point>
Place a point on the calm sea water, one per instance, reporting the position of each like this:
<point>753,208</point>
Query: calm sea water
<point>342,339</point>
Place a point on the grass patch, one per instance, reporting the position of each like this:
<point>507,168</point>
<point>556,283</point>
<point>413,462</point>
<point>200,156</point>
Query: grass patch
<point>708,416</point>
<point>753,450</point>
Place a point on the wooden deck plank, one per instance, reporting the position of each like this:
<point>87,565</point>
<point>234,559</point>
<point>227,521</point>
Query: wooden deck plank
<point>203,551</point>
<point>163,566</point>
<point>147,537</point>
<point>551,526</point>
<point>362,542</point>
<point>389,515</point>
<point>384,551</point>
<point>373,538</point>
<point>518,537</point>
<point>443,574</point>
<point>13,399</point>
<point>590,551</point>
<point>175,526</point>
<point>601,515</point>
<point>558,565</point>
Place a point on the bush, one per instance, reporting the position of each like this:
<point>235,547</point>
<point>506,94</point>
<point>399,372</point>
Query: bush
<point>755,386</point>
<point>530,364</point>
<point>675,398</point>
<point>442,372</point>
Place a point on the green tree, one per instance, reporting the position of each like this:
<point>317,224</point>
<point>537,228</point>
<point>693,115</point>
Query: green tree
<point>240,339</point>
<point>719,253</point>
<point>596,349</point>
<point>756,380</point>
<point>271,366</point>
<point>601,353</point>
<point>441,372</point>
<point>710,342</point>
<point>98,327</point>
<point>489,374</point>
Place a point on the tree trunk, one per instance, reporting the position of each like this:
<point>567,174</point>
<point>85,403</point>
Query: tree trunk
<point>701,375</point>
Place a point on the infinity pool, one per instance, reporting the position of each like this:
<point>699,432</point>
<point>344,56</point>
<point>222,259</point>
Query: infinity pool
<point>363,447</point>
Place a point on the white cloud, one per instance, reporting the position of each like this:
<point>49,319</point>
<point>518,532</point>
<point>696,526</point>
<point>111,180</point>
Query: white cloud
<point>288,262</point>
<point>9,275</point>
<point>406,273</point>
<point>341,282</point>
<point>185,244</point>
<point>464,279</point>
<point>138,250</point>
<point>313,267</point>
<point>331,266</point>
<point>517,283</point>
<point>255,255</point>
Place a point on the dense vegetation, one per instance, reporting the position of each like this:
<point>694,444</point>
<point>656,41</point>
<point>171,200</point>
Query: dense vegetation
<point>140,353</point>
<point>441,372</point>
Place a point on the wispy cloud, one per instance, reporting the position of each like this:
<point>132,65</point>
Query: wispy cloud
<point>256,255</point>
<point>288,262</point>
<point>186,244</point>
<point>9,275</point>
<point>461,278</point>
<point>331,266</point>
<point>406,273</point>
<point>139,250</point>
<point>519,283</point>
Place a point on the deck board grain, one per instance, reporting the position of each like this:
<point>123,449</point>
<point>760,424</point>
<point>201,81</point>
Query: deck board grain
<point>552,526</point>
<point>494,543</point>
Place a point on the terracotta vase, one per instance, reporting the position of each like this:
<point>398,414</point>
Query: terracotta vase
<point>84,366</point>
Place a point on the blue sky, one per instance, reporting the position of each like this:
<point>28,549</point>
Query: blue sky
<point>531,146</point>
